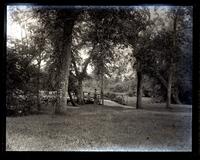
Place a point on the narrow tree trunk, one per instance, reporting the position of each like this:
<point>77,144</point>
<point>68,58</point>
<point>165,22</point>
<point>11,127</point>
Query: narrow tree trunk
<point>169,88</point>
<point>71,99</point>
<point>176,98</point>
<point>38,87</point>
<point>164,83</point>
<point>171,64</point>
<point>139,90</point>
<point>80,92</point>
<point>102,89</point>
<point>175,95</point>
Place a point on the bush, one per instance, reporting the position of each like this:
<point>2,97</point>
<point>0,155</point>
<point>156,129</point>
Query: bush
<point>131,93</point>
<point>115,97</point>
<point>147,93</point>
<point>110,96</point>
<point>119,87</point>
<point>19,104</point>
<point>119,100</point>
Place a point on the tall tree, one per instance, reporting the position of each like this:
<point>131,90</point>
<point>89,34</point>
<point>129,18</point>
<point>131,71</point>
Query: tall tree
<point>38,40</point>
<point>102,36</point>
<point>135,23</point>
<point>81,72</point>
<point>60,21</point>
<point>168,45</point>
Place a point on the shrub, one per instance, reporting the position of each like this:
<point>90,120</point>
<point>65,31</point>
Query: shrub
<point>115,97</point>
<point>20,104</point>
<point>110,96</point>
<point>119,100</point>
<point>131,93</point>
<point>147,93</point>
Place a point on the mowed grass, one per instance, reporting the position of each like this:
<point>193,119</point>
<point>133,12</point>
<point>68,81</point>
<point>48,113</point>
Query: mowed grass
<point>102,128</point>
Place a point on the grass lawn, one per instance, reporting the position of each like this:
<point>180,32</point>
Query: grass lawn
<point>96,127</point>
<point>131,101</point>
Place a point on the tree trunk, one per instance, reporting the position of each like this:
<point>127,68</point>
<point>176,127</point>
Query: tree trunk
<point>38,87</point>
<point>65,81</point>
<point>174,94</point>
<point>80,92</point>
<point>175,98</point>
<point>169,89</point>
<point>71,99</point>
<point>171,63</point>
<point>66,61</point>
<point>139,90</point>
<point>102,89</point>
<point>56,102</point>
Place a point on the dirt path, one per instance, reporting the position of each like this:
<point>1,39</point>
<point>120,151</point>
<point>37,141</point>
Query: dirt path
<point>115,104</point>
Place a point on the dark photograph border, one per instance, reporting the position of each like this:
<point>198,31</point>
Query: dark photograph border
<point>119,155</point>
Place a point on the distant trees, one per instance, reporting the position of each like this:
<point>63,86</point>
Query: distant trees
<point>41,53</point>
<point>20,74</point>
<point>81,44</point>
<point>81,74</point>
<point>168,43</point>
<point>153,55</point>
<point>134,23</point>
<point>25,52</point>
<point>101,35</point>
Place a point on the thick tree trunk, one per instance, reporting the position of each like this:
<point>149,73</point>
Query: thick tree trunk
<point>102,89</point>
<point>80,92</point>
<point>65,81</point>
<point>66,61</point>
<point>56,102</point>
<point>139,90</point>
